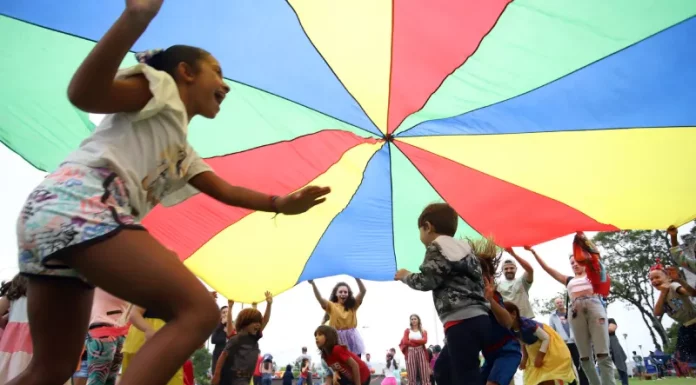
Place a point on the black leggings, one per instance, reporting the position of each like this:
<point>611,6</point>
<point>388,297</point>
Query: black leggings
<point>458,363</point>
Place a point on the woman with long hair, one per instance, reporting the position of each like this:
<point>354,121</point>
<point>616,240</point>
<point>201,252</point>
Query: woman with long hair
<point>413,347</point>
<point>587,289</point>
<point>341,313</point>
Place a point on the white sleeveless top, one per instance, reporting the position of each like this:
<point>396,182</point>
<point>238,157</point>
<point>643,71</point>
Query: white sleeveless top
<point>579,284</point>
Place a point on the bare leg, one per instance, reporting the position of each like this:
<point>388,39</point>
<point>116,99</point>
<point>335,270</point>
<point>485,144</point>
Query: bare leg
<point>133,266</point>
<point>58,311</point>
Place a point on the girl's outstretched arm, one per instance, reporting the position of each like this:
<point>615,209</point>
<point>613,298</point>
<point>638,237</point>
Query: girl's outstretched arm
<point>555,274</point>
<point>93,88</point>
<point>298,202</point>
<point>361,295</point>
<point>317,294</point>
<point>267,313</point>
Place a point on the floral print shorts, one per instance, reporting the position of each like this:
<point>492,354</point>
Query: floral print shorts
<point>74,205</point>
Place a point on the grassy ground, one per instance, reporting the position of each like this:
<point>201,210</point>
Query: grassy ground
<point>665,381</point>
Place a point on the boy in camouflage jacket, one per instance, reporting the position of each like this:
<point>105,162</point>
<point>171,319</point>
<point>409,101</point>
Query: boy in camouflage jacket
<point>453,273</point>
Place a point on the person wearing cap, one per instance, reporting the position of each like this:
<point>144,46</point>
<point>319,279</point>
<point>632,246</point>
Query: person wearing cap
<point>516,289</point>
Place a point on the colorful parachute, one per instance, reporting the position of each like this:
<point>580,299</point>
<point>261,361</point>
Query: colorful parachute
<point>533,118</point>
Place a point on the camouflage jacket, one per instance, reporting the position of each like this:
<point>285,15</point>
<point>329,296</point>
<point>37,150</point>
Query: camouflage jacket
<point>453,273</point>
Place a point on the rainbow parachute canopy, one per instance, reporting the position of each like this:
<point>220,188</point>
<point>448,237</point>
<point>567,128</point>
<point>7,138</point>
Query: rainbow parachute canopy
<point>533,119</point>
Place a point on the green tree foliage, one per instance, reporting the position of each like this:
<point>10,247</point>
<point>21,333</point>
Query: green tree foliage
<point>628,256</point>
<point>202,359</point>
<point>546,306</point>
<point>671,347</point>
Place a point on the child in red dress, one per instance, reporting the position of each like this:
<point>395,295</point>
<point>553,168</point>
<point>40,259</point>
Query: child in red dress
<point>347,367</point>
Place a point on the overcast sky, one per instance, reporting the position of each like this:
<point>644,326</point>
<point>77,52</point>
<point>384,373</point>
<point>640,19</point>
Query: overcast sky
<point>383,316</point>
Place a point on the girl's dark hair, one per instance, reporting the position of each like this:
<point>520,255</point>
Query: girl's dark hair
<point>15,289</point>
<point>170,58</point>
<point>511,307</point>
<point>267,364</point>
<point>288,368</point>
<point>437,349</point>
<point>420,325</point>
<point>391,362</point>
<point>350,301</point>
<point>331,339</point>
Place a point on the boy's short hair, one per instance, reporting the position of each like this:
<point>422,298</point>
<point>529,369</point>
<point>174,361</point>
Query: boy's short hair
<point>441,216</point>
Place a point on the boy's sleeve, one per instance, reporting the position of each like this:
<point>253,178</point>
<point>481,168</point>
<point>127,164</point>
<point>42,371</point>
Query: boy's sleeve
<point>432,272</point>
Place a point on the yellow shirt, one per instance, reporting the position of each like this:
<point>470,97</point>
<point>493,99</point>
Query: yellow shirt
<point>340,318</point>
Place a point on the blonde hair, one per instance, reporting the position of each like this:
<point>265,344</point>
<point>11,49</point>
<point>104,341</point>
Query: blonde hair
<point>488,254</point>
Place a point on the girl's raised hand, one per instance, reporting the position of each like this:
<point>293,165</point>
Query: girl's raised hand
<point>269,297</point>
<point>147,7</point>
<point>489,289</point>
<point>303,200</point>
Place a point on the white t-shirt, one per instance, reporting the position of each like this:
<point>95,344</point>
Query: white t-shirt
<point>415,335</point>
<point>517,292</point>
<point>148,149</point>
<point>679,307</point>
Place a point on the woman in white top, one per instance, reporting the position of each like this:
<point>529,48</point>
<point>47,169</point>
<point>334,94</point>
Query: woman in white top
<point>588,319</point>
<point>413,347</point>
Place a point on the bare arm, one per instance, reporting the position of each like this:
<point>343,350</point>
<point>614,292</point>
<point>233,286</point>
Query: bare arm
<point>217,188</point>
<point>267,313</point>
<point>93,88</point>
<point>136,318</point>
<point>218,367</point>
<point>361,295</point>
<point>230,322</point>
<point>355,369</point>
<point>4,305</point>
<point>555,274</point>
<point>501,314</point>
<point>528,269</point>
<point>317,295</point>
<point>659,305</point>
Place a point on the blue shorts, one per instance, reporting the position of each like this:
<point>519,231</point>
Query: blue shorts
<point>500,366</point>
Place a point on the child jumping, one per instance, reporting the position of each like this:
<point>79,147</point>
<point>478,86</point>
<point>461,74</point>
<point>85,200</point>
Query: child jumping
<point>674,300</point>
<point>239,361</point>
<point>80,228</point>
<point>453,273</point>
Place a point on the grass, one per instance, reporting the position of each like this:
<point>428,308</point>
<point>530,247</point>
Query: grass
<point>665,381</point>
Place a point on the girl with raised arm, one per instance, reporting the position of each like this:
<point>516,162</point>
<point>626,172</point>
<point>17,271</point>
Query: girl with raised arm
<point>341,312</point>
<point>588,316</point>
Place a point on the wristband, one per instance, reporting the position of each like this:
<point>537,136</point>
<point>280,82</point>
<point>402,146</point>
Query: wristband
<point>274,205</point>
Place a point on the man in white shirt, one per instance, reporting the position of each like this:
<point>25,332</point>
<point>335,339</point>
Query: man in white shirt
<point>516,289</point>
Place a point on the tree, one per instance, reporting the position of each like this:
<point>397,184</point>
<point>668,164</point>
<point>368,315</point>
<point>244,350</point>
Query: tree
<point>672,331</point>
<point>202,360</point>
<point>628,256</point>
<point>547,306</point>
